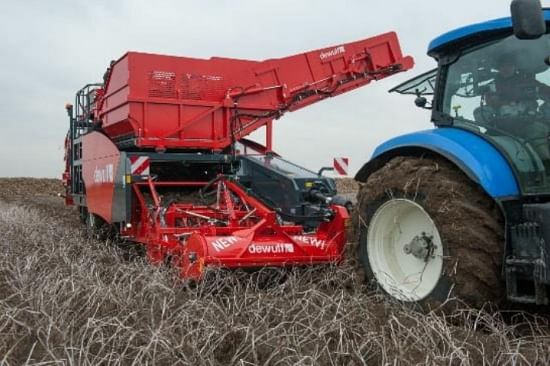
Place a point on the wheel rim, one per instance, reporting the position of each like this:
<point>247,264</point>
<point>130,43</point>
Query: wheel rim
<point>404,250</point>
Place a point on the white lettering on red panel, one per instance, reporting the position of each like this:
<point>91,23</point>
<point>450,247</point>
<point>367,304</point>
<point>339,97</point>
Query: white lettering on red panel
<point>104,175</point>
<point>271,249</point>
<point>335,51</point>
<point>310,240</point>
<point>224,243</point>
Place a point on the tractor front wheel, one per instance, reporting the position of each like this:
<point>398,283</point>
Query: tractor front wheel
<point>428,233</point>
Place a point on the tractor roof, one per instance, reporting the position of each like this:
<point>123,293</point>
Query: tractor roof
<point>464,34</point>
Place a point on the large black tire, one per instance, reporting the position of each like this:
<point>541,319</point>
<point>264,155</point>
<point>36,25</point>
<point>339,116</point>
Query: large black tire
<point>469,223</point>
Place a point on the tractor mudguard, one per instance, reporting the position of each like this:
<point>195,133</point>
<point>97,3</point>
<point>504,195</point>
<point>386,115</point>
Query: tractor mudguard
<point>474,155</point>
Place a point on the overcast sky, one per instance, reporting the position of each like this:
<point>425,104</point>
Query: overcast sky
<point>52,48</point>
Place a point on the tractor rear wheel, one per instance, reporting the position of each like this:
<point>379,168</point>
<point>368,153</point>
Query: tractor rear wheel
<point>428,233</point>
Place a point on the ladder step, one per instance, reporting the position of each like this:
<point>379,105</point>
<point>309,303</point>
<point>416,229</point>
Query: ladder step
<point>520,261</point>
<point>523,299</point>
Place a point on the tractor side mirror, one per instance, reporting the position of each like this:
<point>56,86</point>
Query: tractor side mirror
<point>527,19</point>
<point>420,102</point>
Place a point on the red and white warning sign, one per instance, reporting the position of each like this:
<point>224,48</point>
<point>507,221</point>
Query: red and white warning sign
<point>139,165</point>
<point>341,165</point>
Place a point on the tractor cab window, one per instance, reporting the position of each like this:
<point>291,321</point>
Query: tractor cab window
<point>501,90</point>
<point>421,85</point>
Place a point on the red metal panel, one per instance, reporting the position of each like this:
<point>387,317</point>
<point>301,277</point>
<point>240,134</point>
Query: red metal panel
<point>101,159</point>
<point>120,74</point>
<point>181,102</point>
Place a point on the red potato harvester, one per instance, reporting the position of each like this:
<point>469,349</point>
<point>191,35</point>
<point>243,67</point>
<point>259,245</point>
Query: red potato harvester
<point>158,151</point>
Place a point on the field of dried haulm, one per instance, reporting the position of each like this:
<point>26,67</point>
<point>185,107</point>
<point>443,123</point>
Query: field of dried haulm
<point>69,300</point>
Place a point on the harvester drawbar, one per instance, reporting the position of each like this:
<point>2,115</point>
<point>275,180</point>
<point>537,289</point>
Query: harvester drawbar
<point>158,152</point>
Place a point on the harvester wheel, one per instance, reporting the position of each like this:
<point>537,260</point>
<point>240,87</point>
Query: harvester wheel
<point>428,233</point>
<point>95,227</point>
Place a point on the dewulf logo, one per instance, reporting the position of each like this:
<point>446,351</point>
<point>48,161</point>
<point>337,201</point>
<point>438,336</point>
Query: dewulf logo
<point>104,175</point>
<point>335,51</point>
<point>271,249</point>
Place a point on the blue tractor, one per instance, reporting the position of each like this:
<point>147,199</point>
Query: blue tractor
<point>463,209</point>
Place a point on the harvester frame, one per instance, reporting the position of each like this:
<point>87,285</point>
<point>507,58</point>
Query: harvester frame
<point>147,146</point>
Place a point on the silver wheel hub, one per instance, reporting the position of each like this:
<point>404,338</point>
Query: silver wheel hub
<point>421,246</point>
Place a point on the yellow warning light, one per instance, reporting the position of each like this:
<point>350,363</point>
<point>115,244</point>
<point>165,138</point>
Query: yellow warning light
<point>128,179</point>
<point>309,184</point>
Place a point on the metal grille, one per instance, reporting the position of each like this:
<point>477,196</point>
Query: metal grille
<point>197,87</point>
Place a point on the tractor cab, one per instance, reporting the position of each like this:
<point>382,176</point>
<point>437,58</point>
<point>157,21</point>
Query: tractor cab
<point>491,83</point>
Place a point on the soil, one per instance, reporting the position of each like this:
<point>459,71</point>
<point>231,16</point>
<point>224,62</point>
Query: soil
<point>44,193</point>
<point>347,186</point>
<point>29,189</point>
